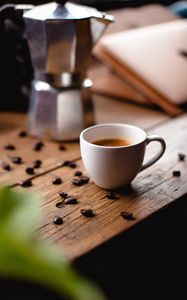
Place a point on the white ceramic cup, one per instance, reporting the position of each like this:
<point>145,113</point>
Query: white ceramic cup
<point>113,167</point>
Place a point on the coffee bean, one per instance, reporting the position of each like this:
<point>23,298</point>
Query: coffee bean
<point>176,173</point>
<point>84,179</point>
<point>9,147</point>
<point>62,147</point>
<point>38,146</point>
<point>37,163</point>
<point>80,181</point>
<point>29,170</point>
<point>57,180</point>
<point>181,156</point>
<point>66,163</point>
<point>127,215</point>
<point>77,181</point>
<point>16,160</point>
<point>22,133</point>
<point>112,196</point>
<point>78,173</point>
<point>63,194</point>
<point>58,220</point>
<point>26,183</point>
<point>87,212</point>
<point>60,204</point>
<point>5,166</point>
<point>70,200</point>
<point>72,165</point>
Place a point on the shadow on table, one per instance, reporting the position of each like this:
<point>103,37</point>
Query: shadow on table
<point>148,262</point>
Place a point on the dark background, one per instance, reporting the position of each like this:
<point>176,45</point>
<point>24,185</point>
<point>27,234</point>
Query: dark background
<point>106,4</point>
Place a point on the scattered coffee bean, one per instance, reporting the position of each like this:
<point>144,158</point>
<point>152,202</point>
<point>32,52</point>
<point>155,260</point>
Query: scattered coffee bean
<point>87,212</point>
<point>9,147</point>
<point>37,163</point>
<point>176,173</point>
<point>63,194</point>
<point>181,156</point>
<point>84,179</point>
<point>58,220</point>
<point>16,160</point>
<point>5,166</point>
<point>62,147</point>
<point>57,180</point>
<point>66,163</point>
<point>70,200</point>
<point>26,183</point>
<point>22,133</point>
<point>38,146</point>
<point>60,204</point>
<point>81,180</point>
<point>29,170</point>
<point>112,196</point>
<point>77,181</point>
<point>78,173</point>
<point>72,165</point>
<point>127,215</point>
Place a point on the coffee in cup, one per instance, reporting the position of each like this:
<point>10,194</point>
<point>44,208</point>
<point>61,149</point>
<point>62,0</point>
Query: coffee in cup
<point>113,153</point>
<point>112,142</point>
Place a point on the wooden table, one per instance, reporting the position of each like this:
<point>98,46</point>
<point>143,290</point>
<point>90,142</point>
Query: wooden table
<point>91,240</point>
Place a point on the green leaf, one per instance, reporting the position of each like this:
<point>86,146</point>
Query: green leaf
<point>19,212</point>
<point>23,255</point>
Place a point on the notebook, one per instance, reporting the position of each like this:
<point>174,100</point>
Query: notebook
<point>153,59</point>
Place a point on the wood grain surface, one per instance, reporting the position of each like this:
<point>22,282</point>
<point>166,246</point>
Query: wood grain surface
<point>150,191</point>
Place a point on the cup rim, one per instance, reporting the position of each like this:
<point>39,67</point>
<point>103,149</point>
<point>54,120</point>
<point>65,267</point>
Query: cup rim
<point>112,124</point>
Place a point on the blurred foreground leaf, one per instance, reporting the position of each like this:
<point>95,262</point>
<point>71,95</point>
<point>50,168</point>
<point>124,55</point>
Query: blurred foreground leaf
<point>24,256</point>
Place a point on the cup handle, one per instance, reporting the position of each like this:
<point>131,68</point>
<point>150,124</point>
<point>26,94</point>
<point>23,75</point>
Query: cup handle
<point>157,156</point>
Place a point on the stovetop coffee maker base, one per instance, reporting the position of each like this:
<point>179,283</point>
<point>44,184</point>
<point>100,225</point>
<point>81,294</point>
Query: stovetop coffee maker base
<point>71,112</point>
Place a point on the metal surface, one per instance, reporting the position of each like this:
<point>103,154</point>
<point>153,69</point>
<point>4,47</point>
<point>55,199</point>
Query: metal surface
<point>60,39</point>
<point>59,114</point>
